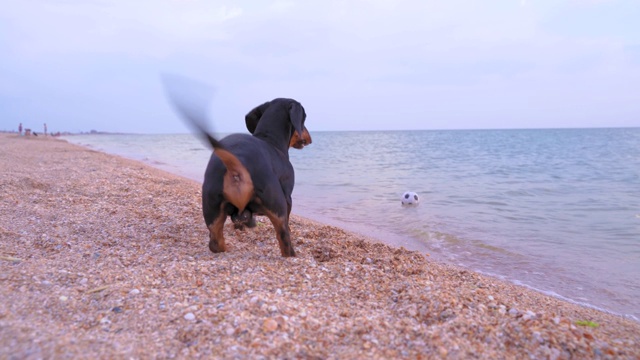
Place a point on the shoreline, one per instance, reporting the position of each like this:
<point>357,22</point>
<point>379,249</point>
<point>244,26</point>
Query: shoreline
<point>385,236</point>
<point>88,229</point>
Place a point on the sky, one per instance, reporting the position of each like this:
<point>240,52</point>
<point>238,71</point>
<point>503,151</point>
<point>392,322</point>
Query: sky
<point>81,65</point>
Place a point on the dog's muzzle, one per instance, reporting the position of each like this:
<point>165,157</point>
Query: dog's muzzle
<point>298,142</point>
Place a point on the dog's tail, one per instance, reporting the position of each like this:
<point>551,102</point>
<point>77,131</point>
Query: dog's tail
<point>190,99</point>
<point>238,187</point>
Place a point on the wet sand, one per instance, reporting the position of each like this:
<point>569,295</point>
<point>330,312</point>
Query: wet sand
<point>104,257</point>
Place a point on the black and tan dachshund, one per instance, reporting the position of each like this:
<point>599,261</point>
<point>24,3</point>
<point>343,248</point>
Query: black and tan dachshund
<point>250,175</point>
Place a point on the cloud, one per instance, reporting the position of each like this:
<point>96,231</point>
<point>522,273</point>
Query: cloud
<point>137,28</point>
<point>282,5</point>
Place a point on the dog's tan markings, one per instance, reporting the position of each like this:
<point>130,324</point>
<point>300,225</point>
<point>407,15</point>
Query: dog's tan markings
<point>281,226</point>
<point>237,186</point>
<point>300,142</point>
<point>216,236</point>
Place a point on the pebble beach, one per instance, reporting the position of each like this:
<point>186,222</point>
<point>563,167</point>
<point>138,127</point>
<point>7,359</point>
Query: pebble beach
<point>103,257</point>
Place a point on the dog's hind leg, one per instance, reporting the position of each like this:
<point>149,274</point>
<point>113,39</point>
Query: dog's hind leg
<point>283,233</point>
<point>216,236</point>
<point>252,222</point>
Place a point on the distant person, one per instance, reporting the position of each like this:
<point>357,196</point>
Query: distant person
<point>20,129</point>
<point>45,129</point>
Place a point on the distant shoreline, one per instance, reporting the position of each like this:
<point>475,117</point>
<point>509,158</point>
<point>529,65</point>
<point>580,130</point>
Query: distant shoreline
<point>100,132</point>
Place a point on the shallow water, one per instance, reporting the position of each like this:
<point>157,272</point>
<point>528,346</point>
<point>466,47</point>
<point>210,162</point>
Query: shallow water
<point>556,210</point>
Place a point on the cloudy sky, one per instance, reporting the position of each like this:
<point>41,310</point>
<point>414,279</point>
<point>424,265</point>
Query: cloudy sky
<point>354,64</point>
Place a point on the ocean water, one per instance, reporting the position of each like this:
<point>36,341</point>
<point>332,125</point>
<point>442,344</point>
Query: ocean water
<point>555,210</point>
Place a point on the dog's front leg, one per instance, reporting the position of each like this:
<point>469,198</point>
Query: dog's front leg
<point>216,236</point>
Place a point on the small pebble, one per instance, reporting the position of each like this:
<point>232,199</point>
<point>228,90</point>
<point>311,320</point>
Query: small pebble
<point>443,351</point>
<point>117,309</point>
<point>269,325</point>
<point>538,337</point>
<point>597,352</point>
<point>134,292</point>
<point>513,311</point>
<point>529,315</point>
<point>189,316</point>
<point>63,298</point>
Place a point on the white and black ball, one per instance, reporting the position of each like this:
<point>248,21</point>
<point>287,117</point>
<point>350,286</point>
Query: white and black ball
<point>409,198</point>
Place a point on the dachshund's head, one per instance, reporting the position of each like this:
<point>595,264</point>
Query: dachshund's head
<point>299,136</point>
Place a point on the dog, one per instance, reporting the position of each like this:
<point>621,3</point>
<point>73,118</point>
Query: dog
<point>250,175</point>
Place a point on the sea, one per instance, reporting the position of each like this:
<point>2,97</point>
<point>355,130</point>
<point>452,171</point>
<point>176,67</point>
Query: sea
<point>555,210</point>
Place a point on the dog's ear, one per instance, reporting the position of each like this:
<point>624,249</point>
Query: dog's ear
<point>253,117</point>
<point>297,117</point>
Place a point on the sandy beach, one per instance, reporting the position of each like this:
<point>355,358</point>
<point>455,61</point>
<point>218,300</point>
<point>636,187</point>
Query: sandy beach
<point>105,257</point>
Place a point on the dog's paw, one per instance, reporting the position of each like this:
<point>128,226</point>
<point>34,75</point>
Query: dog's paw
<point>216,248</point>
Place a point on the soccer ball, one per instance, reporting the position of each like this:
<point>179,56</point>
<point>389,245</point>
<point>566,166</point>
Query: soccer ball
<point>410,198</point>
